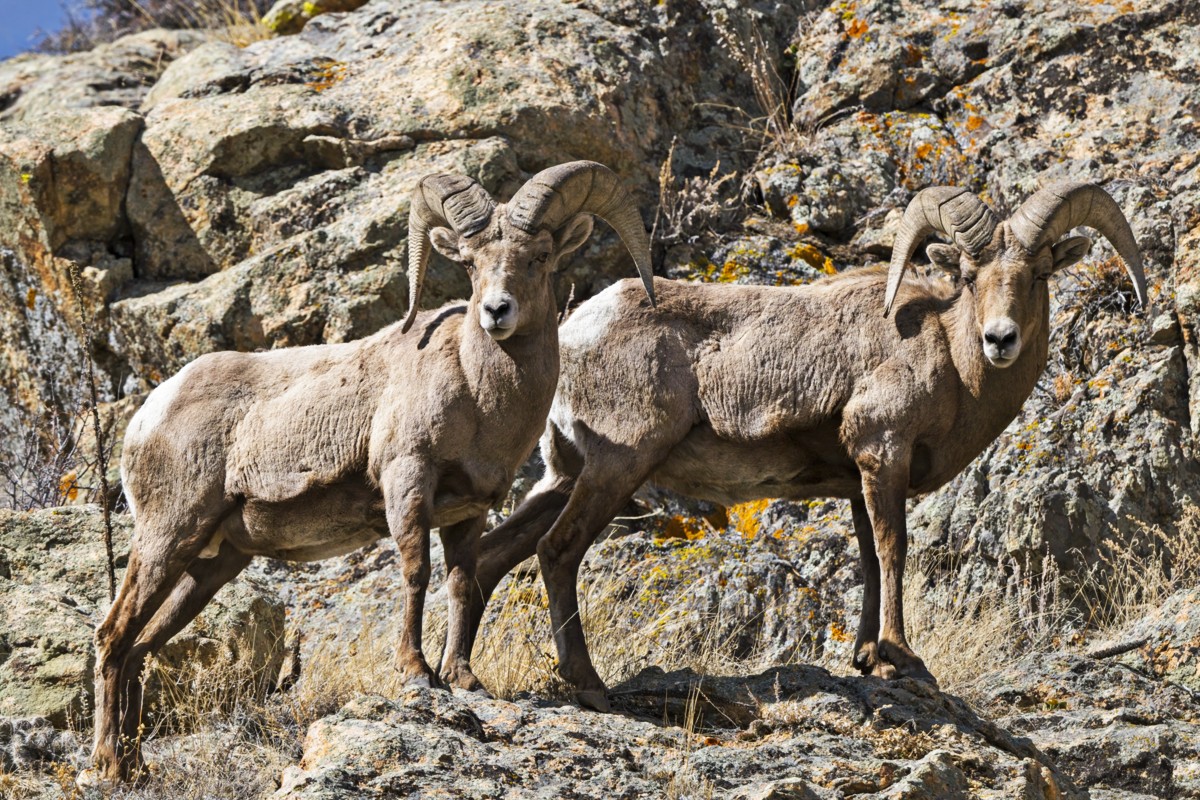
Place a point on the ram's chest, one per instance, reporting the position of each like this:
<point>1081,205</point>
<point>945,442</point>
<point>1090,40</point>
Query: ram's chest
<point>474,472</point>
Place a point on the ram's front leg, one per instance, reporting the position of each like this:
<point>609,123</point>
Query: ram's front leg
<point>866,645</point>
<point>461,545</point>
<point>885,488</point>
<point>408,497</point>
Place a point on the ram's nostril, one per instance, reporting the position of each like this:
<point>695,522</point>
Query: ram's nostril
<point>1001,336</point>
<point>497,310</point>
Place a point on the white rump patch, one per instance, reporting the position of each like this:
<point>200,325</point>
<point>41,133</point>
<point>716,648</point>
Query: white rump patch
<point>128,495</point>
<point>152,412</point>
<point>588,324</point>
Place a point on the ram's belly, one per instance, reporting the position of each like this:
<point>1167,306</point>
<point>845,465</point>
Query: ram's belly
<point>324,522</point>
<point>709,467</point>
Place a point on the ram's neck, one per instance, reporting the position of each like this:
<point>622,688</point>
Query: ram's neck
<point>992,397</point>
<point>521,370</point>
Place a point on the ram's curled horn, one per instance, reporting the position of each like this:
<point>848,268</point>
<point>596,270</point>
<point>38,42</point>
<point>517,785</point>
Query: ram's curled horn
<point>550,198</point>
<point>442,199</point>
<point>950,210</point>
<point>1053,211</point>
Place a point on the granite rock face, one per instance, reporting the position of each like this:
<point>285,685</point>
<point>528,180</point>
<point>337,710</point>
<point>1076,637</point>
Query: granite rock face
<point>258,196</point>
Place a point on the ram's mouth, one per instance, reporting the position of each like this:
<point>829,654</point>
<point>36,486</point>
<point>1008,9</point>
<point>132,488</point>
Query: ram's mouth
<point>1001,357</point>
<point>498,332</point>
<point>999,361</point>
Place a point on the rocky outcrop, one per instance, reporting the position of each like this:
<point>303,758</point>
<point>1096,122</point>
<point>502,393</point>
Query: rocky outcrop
<point>54,592</point>
<point>790,732</point>
<point>1117,722</point>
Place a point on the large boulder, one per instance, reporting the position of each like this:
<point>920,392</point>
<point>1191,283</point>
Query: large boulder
<point>54,592</point>
<point>116,74</point>
<point>68,126</point>
<point>63,180</point>
<point>288,164</point>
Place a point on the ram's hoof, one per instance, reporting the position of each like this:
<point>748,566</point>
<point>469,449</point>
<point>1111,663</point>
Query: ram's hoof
<point>595,699</point>
<point>886,671</point>
<point>905,664</point>
<point>478,693</point>
<point>461,678</point>
<point>424,678</point>
<point>918,672</point>
<point>92,779</point>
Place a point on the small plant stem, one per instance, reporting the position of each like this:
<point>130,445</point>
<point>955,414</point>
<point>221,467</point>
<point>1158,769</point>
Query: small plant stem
<point>85,322</point>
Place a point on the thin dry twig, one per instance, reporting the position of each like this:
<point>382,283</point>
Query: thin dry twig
<point>86,322</point>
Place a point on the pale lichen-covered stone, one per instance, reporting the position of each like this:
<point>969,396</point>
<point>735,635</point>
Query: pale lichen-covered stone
<point>54,592</point>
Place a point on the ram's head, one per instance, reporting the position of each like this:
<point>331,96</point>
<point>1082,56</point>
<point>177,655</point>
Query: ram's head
<point>999,265</point>
<point>511,250</point>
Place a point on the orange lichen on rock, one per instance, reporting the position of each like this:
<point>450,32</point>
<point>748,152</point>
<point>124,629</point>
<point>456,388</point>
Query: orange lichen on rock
<point>745,517</point>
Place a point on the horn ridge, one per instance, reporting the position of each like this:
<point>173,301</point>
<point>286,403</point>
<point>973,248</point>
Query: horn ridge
<point>1058,208</point>
<point>949,210</point>
<point>553,196</point>
<point>440,199</point>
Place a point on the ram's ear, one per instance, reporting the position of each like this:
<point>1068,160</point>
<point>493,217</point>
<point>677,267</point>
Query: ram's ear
<point>445,241</point>
<point>1069,251</point>
<point>945,257</point>
<point>570,237</point>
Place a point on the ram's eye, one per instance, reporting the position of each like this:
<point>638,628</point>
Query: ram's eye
<point>542,259</point>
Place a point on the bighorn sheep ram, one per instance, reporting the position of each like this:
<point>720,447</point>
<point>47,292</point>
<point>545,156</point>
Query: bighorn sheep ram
<point>310,452</point>
<point>735,393</point>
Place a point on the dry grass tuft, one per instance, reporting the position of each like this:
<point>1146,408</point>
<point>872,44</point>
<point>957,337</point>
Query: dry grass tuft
<point>773,93</point>
<point>683,782</point>
<point>626,632</point>
<point>515,654</point>
<point>1131,581</point>
<point>210,732</point>
<point>689,207</point>
<point>963,635</point>
<point>902,743</point>
<point>95,22</point>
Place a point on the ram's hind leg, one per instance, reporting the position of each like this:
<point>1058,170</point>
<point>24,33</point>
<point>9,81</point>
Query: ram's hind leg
<point>512,541</point>
<point>157,560</point>
<point>201,581</point>
<point>595,500</point>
